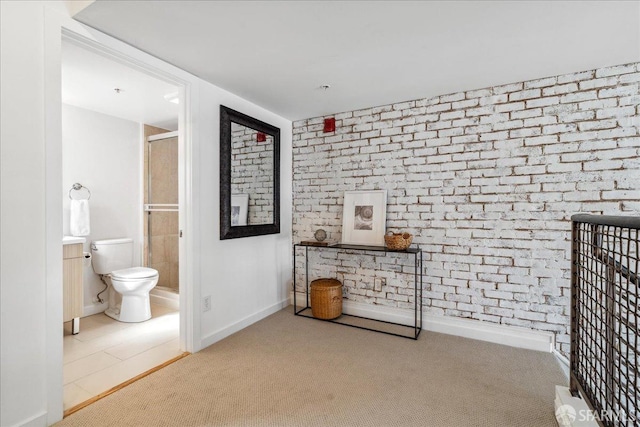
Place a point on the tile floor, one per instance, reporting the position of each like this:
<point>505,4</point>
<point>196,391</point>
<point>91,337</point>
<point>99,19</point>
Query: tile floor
<point>107,353</point>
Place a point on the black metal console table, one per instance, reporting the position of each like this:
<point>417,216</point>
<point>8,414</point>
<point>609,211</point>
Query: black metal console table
<point>390,328</point>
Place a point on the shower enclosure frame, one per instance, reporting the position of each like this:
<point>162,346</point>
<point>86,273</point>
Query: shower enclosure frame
<point>149,206</point>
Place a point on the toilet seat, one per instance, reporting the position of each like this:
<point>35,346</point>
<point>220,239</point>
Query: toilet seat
<point>134,274</point>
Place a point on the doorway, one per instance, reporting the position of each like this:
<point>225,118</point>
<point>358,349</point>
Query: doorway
<point>106,353</point>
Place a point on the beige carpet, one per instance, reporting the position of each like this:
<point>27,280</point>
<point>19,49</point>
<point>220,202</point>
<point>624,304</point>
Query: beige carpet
<point>293,371</point>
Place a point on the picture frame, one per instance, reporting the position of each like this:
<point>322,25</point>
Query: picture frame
<point>364,217</point>
<point>239,209</point>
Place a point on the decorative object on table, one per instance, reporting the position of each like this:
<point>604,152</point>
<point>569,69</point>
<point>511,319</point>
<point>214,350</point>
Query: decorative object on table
<point>239,209</point>
<point>364,217</point>
<point>320,235</point>
<point>398,241</point>
<point>326,298</point>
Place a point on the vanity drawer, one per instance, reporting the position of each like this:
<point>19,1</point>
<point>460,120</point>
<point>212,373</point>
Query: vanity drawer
<point>72,251</point>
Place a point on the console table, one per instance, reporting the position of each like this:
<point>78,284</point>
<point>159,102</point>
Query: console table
<point>390,328</point>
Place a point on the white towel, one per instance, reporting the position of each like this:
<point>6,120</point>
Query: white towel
<point>79,219</point>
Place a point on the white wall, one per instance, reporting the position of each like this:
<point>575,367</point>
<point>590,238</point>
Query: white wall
<point>23,267</point>
<point>103,153</point>
<point>247,278</point>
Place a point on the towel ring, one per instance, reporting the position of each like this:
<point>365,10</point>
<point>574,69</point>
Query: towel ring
<point>77,187</point>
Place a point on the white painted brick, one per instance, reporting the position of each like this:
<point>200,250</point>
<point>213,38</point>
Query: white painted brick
<point>582,136</point>
<point>525,94</point>
<point>464,104</point>
<point>619,132</point>
<point>511,106</point>
<point>621,195</point>
<point>511,124</point>
<point>525,114</point>
<point>603,165</point>
<point>559,128</point>
<point>480,111</point>
<point>615,112</point>
<point>438,108</point>
<point>452,97</point>
<point>452,115</point>
<point>478,93</point>
<point>543,102</point>
<point>630,78</point>
<point>450,132</point>
<point>514,87</point>
<point>560,89</point>
<point>492,100</point>
<point>598,104</point>
<point>574,77</point>
<point>622,90</point>
<point>469,121</point>
<point>597,124</point>
<point>598,83</point>
<point>576,117</point>
<point>537,121</point>
<point>617,70</point>
<point>549,81</point>
<point>560,109</point>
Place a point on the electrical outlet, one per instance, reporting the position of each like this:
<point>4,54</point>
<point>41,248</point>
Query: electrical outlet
<point>378,283</point>
<point>95,300</point>
<point>206,303</point>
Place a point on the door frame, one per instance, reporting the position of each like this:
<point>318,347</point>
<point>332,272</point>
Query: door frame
<point>59,26</point>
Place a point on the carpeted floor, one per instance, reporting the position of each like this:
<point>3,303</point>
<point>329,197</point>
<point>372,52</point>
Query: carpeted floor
<point>293,371</point>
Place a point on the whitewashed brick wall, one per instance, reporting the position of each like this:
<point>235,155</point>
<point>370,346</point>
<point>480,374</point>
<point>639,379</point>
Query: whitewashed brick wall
<point>487,181</point>
<point>252,166</point>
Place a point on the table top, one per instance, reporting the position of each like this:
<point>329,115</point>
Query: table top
<point>370,248</point>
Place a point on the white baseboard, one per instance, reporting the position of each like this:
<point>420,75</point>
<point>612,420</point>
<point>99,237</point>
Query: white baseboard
<point>572,411</point>
<point>563,362</point>
<point>165,298</point>
<point>90,310</point>
<point>241,324</point>
<point>475,329</point>
<point>37,420</point>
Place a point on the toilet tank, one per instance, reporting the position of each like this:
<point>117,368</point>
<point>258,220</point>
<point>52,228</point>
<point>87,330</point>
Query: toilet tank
<point>112,254</point>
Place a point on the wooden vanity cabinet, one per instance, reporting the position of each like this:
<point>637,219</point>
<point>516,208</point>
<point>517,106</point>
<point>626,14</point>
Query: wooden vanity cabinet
<point>72,285</point>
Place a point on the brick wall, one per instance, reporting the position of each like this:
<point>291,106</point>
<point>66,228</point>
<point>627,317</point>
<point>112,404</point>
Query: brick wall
<point>486,180</point>
<point>252,166</point>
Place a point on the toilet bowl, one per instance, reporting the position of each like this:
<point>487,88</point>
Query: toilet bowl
<point>133,284</point>
<point>112,259</point>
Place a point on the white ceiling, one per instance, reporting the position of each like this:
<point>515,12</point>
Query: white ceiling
<point>277,53</point>
<point>89,81</point>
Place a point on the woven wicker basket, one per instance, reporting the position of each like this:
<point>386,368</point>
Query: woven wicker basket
<point>398,241</point>
<point>326,298</point>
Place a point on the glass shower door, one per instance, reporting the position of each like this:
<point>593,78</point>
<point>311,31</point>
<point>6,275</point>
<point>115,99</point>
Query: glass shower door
<point>162,226</point>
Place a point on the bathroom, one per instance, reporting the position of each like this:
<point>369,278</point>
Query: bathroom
<point>121,145</point>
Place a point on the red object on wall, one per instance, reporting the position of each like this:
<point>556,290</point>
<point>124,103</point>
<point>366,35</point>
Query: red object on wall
<point>330,125</point>
<point>261,137</point>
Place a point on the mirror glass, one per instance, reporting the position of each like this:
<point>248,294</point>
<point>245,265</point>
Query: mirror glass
<point>249,176</point>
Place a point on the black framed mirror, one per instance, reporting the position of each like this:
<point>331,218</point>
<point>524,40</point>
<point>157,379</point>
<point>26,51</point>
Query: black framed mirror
<point>249,176</point>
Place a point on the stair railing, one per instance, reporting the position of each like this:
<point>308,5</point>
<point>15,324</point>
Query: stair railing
<point>605,346</point>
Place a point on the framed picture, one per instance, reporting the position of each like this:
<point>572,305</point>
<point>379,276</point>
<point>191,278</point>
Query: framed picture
<point>364,217</point>
<point>239,209</point>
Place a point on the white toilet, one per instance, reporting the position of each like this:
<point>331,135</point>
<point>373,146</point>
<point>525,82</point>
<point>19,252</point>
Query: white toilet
<point>113,258</point>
